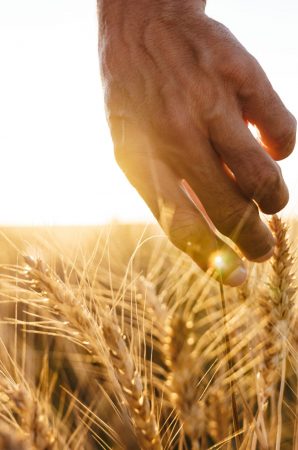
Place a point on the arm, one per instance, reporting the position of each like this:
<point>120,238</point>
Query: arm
<point>179,90</point>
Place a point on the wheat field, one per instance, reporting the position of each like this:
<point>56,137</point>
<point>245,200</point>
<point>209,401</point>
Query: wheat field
<point>110,338</point>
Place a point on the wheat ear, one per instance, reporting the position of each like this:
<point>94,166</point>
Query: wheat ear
<point>11,439</point>
<point>131,383</point>
<point>184,376</point>
<point>277,305</point>
<point>94,333</point>
<point>35,431</point>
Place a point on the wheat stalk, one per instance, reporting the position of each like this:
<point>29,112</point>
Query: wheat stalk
<point>277,305</point>
<point>94,333</point>
<point>157,340</point>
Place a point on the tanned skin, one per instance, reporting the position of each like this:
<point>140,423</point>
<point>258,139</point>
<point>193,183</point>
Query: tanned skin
<point>179,92</point>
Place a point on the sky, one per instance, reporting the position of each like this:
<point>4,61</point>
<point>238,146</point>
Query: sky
<point>57,164</point>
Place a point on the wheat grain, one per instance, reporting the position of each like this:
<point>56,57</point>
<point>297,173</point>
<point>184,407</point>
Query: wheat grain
<point>184,376</point>
<point>12,439</point>
<point>277,305</point>
<point>155,335</point>
<point>121,367</point>
<point>18,400</point>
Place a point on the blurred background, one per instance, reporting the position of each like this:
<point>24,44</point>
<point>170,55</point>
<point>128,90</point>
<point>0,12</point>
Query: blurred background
<point>57,165</point>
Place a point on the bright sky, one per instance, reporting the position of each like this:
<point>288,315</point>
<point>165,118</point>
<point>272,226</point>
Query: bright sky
<point>57,162</point>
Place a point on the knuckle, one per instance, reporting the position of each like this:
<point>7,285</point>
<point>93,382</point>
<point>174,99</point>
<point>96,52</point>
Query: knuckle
<point>277,186</point>
<point>237,70</point>
<point>252,80</point>
<point>240,68</point>
<point>272,193</point>
<point>286,139</point>
<point>244,227</point>
<point>243,217</point>
<point>271,180</point>
<point>232,64</point>
<point>250,179</point>
<point>266,185</point>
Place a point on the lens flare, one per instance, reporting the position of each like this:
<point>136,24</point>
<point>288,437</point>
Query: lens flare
<point>217,261</point>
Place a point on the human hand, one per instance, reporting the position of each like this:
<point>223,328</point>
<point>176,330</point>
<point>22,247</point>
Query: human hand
<point>179,91</point>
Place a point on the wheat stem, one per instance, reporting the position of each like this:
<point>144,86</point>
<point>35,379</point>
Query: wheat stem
<point>280,397</point>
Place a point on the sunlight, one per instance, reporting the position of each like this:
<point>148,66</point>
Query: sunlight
<point>57,163</point>
<point>255,132</point>
<point>217,261</point>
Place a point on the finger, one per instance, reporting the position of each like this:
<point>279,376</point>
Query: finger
<point>231,212</point>
<point>182,222</point>
<point>257,174</point>
<point>263,108</point>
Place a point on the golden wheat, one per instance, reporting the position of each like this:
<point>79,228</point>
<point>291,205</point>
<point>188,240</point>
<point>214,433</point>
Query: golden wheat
<point>25,416</point>
<point>121,367</point>
<point>143,351</point>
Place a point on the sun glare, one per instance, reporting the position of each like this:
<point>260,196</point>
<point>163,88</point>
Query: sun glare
<point>57,164</point>
<point>255,132</point>
<point>217,261</point>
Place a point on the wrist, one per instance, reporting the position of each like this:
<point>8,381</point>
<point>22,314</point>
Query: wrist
<point>115,13</point>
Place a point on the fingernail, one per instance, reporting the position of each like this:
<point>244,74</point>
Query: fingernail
<point>237,277</point>
<point>265,257</point>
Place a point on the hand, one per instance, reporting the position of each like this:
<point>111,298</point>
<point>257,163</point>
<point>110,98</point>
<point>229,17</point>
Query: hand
<point>179,92</point>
